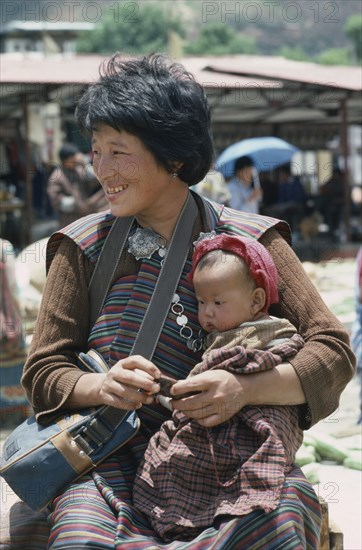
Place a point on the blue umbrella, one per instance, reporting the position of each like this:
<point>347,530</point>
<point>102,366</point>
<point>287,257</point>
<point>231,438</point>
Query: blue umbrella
<point>266,152</point>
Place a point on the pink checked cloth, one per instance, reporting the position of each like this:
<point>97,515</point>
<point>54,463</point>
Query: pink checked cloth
<point>190,475</point>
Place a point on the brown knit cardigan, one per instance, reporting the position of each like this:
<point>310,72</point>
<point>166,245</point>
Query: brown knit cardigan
<point>324,365</point>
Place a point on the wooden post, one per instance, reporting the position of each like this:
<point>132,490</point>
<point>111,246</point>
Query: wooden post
<point>331,537</point>
<point>346,183</point>
<point>28,171</point>
<point>324,536</point>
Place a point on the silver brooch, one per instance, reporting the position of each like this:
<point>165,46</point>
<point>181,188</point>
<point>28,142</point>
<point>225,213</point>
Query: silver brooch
<point>203,236</point>
<point>145,242</point>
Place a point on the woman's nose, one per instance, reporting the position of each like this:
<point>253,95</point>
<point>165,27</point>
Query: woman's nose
<point>105,168</point>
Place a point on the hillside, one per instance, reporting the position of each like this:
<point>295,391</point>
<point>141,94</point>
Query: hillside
<point>312,26</point>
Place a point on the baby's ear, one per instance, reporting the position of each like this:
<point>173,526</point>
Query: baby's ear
<point>258,300</point>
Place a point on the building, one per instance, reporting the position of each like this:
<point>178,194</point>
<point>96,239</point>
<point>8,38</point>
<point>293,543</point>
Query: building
<point>44,37</point>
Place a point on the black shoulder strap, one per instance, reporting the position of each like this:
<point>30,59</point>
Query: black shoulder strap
<point>111,252</point>
<point>108,261</point>
<point>166,285</point>
<point>100,428</point>
<point>106,265</point>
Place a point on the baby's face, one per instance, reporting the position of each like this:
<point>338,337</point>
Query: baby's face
<point>225,298</point>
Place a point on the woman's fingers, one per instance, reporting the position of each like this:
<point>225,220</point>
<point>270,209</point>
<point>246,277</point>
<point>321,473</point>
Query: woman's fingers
<point>138,372</point>
<point>130,383</point>
<point>139,363</point>
<point>193,385</point>
<point>221,397</point>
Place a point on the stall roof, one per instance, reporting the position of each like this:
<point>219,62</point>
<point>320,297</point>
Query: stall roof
<point>279,68</point>
<point>34,68</point>
<point>229,71</point>
<point>241,88</point>
<point>244,91</point>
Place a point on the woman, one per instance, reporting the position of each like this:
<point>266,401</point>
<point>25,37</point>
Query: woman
<point>245,195</point>
<point>150,127</point>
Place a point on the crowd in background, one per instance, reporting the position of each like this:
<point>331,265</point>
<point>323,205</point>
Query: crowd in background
<point>282,194</point>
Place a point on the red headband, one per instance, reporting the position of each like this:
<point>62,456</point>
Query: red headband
<point>261,265</point>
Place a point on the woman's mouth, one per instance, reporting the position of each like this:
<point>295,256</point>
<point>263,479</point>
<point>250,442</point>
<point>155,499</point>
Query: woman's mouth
<point>114,190</point>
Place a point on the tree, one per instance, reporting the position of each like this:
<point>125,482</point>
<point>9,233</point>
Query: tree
<point>294,52</point>
<point>353,29</point>
<point>334,56</point>
<point>146,31</point>
<point>220,39</point>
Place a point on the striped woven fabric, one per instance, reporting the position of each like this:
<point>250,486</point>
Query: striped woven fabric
<point>90,232</point>
<point>97,511</point>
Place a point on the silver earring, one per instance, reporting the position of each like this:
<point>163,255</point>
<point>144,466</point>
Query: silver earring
<point>175,174</point>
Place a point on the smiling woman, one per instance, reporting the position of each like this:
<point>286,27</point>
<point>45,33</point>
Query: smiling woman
<point>150,126</point>
<point>125,169</point>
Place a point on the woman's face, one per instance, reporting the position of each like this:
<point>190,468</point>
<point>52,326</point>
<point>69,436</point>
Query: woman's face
<point>134,184</point>
<point>245,175</point>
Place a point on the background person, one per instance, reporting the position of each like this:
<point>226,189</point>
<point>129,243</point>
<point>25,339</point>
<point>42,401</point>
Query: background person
<point>151,139</point>
<point>291,199</point>
<point>330,201</point>
<point>13,348</point>
<point>214,187</point>
<point>73,189</point>
<point>245,195</point>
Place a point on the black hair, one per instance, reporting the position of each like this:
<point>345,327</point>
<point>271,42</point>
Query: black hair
<point>158,101</point>
<point>285,169</point>
<point>243,162</point>
<point>68,150</point>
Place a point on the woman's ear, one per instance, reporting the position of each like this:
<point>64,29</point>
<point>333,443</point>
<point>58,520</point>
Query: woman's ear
<point>258,300</point>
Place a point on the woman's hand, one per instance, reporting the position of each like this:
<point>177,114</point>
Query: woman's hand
<point>255,195</point>
<point>222,395</point>
<point>129,384</point>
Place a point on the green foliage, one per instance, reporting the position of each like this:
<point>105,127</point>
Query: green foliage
<point>294,52</point>
<point>331,56</point>
<point>145,31</point>
<point>220,39</point>
<point>334,56</point>
<point>353,29</point>
<point>322,33</point>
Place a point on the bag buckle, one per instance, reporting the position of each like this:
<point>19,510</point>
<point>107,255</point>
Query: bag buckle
<point>95,432</point>
<point>82,443</point>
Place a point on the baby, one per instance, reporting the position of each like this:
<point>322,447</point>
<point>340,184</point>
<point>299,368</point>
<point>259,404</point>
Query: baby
<point>191,475</point>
